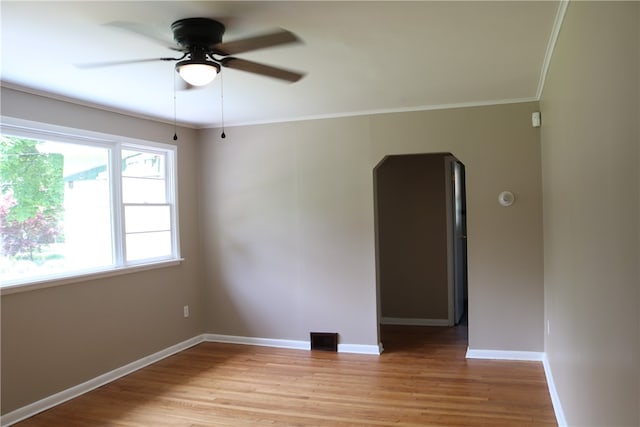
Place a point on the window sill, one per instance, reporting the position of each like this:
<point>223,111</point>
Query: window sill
<point>83,277</point>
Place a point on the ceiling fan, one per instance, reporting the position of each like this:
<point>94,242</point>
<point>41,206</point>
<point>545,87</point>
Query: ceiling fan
<point>203,52</point>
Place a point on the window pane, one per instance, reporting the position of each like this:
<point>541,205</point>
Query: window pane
<point>148,245</point>
<point>143,177</point>
<point>55,210</point>
<point>140,190</point>
<point>147,218</point>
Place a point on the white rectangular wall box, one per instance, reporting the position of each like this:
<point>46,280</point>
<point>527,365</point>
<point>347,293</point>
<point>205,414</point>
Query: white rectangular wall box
<point>536,119</point>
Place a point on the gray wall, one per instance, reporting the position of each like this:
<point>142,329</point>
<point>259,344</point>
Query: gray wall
<point>411,221</point>
<point>590,149</point>
<point>288,222</point>
<point>284,216</point>
<point>58,337</point>
<point>501,151</point>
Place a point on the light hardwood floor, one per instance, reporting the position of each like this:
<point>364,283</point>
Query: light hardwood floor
<point>422,379</point>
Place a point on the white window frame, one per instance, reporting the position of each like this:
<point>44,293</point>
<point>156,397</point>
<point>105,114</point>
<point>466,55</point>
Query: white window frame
<point>115,143</point>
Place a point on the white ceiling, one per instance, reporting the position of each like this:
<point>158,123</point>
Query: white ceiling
<point>359,56</point>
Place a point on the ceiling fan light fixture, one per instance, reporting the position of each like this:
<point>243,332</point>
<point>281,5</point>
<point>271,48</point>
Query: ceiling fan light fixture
<point>197,73</point>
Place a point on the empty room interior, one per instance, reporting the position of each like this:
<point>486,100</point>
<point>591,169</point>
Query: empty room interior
<point>360,213</point>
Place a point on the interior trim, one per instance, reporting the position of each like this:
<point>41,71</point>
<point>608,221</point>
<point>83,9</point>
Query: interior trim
<point>356,113</point>
<point>290,344</point>
<point>263,342</point>
<point>56,97</point>
<point>533,356</point>
<point>32,409</point>
<point>75,277</point>
<point>374,350</point>
<point>555,31</point>
<point>381,111</point>
<point>555,397</point>
<point>413,321</point>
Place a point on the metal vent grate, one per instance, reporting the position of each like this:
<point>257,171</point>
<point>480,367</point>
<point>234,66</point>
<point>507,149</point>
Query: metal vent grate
<point>327,341</point>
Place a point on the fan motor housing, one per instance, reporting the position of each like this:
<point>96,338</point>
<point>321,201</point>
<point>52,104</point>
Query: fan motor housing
<point>201,32</point>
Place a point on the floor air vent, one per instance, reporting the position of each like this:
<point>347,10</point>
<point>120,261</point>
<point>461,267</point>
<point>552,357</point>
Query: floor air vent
<point>327,341</point>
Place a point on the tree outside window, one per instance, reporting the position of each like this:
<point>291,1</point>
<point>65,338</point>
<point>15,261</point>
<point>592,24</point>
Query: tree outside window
<point>31,198</point>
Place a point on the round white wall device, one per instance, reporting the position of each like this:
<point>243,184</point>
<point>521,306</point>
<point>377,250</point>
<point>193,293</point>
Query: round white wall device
<point>506,198</point>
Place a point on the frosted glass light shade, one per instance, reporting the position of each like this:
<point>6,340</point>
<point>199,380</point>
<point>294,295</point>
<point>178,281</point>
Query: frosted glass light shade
<point>198,74</point>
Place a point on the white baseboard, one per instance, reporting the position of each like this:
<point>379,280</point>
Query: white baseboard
<point>85,387</point>
<point>360,349</point>
<point>527,356</point>
<point>80,389</point>
<point>555,398</point>
<point>413,322</point>
<point>264,342</point>
<point>534,356</point>
<point>291,344</point>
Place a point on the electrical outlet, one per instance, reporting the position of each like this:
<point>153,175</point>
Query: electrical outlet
<point>186,311</point>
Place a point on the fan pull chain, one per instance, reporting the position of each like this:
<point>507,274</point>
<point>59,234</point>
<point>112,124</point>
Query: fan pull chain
<point>223,136</point>
<point>175,131</point>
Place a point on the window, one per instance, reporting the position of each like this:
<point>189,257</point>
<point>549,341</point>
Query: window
<point>147,211</point>
<point>73,203</point>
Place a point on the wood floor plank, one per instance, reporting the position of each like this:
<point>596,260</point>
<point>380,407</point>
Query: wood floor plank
<point>422,379</point>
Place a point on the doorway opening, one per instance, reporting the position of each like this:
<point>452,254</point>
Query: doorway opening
<point>421,247</point>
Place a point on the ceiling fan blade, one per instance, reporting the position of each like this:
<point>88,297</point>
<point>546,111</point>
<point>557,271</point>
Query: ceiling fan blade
<point>146,32</point>
<point>125,62</point>
<point>257,42</point>
<point>265,70</point>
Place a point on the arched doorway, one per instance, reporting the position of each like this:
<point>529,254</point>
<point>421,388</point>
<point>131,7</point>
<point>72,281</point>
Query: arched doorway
<point>420,212</point>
